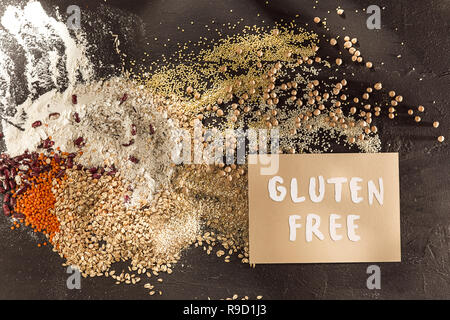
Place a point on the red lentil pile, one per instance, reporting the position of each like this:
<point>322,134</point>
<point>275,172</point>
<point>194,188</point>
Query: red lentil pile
<point>38,200</point>
<point>27,181</point>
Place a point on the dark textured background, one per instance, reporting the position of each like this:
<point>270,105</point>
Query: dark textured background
<point>423,26</point>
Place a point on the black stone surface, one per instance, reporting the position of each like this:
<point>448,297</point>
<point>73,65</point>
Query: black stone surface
<point>421,75</point>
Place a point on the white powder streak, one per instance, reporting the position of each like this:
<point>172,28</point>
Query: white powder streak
<point>6,69</point>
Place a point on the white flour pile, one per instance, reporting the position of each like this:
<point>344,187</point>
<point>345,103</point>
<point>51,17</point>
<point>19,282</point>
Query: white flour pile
<point>116,124</point>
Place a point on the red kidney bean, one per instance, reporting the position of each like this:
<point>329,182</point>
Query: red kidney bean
<point>152,130</point>
<point>6,198</point>
<point>133,130</point>
<point>79,142</point>
<point>1,135</point>
<point>48,144</point>
<point>74,99</point>
<point>6,174</point>
<point>126,199</point>
<point>96,176</point>
<point>129,143</point>
<point>134,159</point>
<point>76,116</point>
<point>124,98</point>
<point>36,124</point>
<point>93,170</point>
<point>20,158</point>
<point>11,163</point>
<point>53,116</point>
<point>2,190</point>
<point>12,184</point>
<point>12,202</point>
<point>6,185</point>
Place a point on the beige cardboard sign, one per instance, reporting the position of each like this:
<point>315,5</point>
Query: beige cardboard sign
<point>318,208</point>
